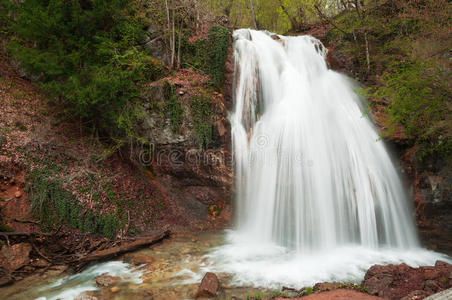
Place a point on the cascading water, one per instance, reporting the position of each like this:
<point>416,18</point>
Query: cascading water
<point>311,170</point>
<point>318,197</point>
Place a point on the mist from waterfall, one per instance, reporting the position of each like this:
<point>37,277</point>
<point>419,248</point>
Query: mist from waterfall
<point>317,195</point>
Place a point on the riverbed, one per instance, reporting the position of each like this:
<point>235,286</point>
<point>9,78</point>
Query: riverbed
<point>174,268</point>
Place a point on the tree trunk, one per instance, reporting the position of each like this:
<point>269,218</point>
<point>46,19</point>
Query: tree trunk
<point>169,31</point>
<point>253,15</point>
<point>179,47</point>
<point>367,51</point>
<point>173,48</point>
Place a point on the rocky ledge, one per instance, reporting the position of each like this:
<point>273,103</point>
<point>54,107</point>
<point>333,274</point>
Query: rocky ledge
<point>407,283</point>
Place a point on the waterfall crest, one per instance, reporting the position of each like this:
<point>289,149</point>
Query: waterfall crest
<point>311,171</point>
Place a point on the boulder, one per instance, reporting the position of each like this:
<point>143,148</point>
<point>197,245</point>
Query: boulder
<point>106,280</point>
<point>15,257</point>
<point>404,282</point>
<point>209,286</point>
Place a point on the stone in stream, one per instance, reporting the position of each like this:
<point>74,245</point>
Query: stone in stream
<point>106,280</point>
<point>15,257</point>
<point>142,259</point>
<point>209,286</point>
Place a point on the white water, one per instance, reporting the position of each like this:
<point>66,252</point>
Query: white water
<point>313,174</point>
<point>318,197</point>
<point>70,287</point>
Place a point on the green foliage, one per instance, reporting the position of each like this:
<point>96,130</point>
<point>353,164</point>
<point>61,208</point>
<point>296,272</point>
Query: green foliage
<point>209,55</point>
<point>173,106</point>
<point>419,102</point>
<point>53,205</point>
<point>5,228</point>
<point>85,53</point>
<point>408,67</point>
<point>308,290</point>
<point>153,69</point>
<point>218,43</point>
<point>201,113</point>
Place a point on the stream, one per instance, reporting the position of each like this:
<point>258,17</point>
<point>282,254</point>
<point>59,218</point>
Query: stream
<point>174,269</point>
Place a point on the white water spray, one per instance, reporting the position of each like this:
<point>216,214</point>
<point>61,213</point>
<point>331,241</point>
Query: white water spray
<point>318,197</point>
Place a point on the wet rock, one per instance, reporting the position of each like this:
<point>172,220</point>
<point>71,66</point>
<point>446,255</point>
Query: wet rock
<point>15,257</point>
<point>402,281</point>
<point>326,286</point>
<point>142,259</point>
<point>105,280</point>
<point>87,297</point>
<point>114,289</point>
<point>209,286</point>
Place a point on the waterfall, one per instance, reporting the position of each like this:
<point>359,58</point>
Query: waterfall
<point>311,171</point>
<point>317,195</point>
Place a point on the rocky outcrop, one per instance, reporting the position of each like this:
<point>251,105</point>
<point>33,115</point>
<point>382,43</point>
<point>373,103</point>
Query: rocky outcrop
<point>405,282</point>
<point>190,175</point>
<point>432,190</point>
<point>209,286</point>
<point>15,257</point>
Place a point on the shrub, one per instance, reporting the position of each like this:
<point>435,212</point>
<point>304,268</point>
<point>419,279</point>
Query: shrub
<point>173,106</point>
<point>201,113</point>
<point>209,55</point>
<point>218,50</point>
<point>83,52</point>
<point>53,205</point>
<point>419,101</point>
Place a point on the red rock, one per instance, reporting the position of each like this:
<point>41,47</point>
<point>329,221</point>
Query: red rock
<point>442,263</point>
<point>18,194</point>
<point>15,257</point>
<point>326,286</point>
<point>209,286</point>
<point>341,294</point>
<point>402,281</point>
<point>416,295</point>
<point>432,286</point>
